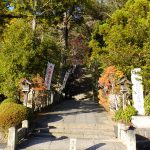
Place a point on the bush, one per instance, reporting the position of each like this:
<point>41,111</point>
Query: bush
<point>12,114</point>
<point>147,104</point>
<point>9,100</point>
<point>118,115</point>
<point>128,112</point>
<point>125,115</point>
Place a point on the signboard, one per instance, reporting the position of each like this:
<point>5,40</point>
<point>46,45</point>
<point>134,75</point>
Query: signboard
<point>73,144</point>
<point>25,88</point>
<point>137,90</point>
<point>48,76</point>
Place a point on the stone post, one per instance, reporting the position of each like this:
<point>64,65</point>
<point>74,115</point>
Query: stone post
<point>25,124</point>
<point>47,99</point>
<point>12,138</point>
<point>73,144</point>
<point>121,126</point>
<point>52,97</point>
<point>131,145</point>
<point>137,90</point>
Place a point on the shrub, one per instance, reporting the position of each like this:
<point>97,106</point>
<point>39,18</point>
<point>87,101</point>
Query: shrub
<point>147,104</point>
<point>12,114</point>
<point>118,115</point>
<point>128,112</point>
<point>9,100</point>
<point>125,115</point>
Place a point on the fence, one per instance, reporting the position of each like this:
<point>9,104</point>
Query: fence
<point>41,99</point>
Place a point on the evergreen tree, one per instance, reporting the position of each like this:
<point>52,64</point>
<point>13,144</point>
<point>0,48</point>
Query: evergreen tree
<point>123,40</point>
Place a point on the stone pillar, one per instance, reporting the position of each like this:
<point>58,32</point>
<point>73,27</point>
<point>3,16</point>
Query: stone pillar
<point>73,144</point>
<point>131,145</point>
<point>12,138</point>
<point>25,125</point>
<point>137,90</point>
<point>52,97</point>
<point>121,126</point>
<point>47,99</point>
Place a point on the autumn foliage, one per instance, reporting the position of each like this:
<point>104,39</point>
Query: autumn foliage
<point>38,83</point>
<point>109,84</point>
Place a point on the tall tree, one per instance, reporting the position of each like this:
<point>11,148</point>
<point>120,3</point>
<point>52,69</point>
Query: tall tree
<point>123,40</point>
<point>18,56</point>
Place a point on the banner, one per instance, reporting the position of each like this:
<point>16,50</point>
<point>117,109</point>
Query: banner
<point>65,79</point>
<point>48,76</point>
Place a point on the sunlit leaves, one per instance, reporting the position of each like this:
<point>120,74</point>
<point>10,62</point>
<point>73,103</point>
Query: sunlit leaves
<point>126,37</point>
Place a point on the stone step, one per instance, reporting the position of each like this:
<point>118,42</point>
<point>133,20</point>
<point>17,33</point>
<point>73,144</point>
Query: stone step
<point>81,135</point>
<point>81,126</point>
<point>84,136</point>
<point>82,131</point>
<point>81,144</point>
<point>42,135</point>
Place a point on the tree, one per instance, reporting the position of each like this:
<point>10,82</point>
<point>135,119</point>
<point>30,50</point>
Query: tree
<point>20,58</point>
<point>123,41</point>
<point>116,4</point>
<point>78,48</point>
<point>29,40</point>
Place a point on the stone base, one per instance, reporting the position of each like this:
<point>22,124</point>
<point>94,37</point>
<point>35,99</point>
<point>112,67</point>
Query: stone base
<point>127,136</point>
<point>2,136</point>
<point>141,121</point>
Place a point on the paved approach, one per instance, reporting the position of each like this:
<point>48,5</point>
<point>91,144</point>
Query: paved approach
<point>80,118</point>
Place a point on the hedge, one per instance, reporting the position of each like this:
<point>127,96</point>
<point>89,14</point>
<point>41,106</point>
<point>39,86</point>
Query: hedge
<point>12,114</point>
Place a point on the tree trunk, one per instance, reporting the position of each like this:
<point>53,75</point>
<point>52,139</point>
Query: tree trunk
<point>65,37</point>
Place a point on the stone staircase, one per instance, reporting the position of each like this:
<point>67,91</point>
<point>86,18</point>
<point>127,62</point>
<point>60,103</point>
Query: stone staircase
<point>86,131</point>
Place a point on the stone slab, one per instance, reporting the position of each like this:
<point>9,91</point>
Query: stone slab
<point>141,121</point>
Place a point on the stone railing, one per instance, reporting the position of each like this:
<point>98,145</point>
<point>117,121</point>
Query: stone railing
<point>16,135</point>
<point>127,136</point>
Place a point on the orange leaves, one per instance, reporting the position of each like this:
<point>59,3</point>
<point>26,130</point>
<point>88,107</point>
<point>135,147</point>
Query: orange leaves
<point>38,83</point>
<point>110,76</point>
<point>109,83</point>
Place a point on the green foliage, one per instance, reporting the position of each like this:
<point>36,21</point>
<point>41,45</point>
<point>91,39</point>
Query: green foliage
<point>118,115</point>
<point>125,115</point>
<point>123,40</point>
<point>12,114</point>
<point>24,54</point>
<point>9,100</point>
<point>129,111</point>
<point>147,104</point>
<point>15,54</point>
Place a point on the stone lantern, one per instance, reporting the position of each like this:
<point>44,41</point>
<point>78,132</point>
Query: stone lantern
<point>26,86</point>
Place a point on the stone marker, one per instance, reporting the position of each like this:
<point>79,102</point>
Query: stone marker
<point>73,144</point>
<point>137,90</point>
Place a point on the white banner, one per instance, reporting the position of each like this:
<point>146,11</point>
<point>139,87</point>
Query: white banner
<point>48,76</point>
<point>65,79</point>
